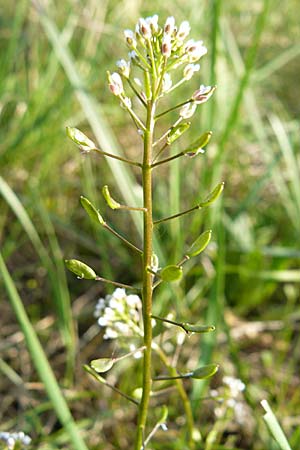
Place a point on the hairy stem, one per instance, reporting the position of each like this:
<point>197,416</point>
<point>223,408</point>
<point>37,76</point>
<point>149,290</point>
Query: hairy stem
<point>147,276</point>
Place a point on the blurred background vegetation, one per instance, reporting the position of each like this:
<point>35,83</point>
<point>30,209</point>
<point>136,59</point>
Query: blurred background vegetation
<point>54,58</point>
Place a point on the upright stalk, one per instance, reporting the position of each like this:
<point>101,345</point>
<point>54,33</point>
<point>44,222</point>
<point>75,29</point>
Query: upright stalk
<point>147,276</point>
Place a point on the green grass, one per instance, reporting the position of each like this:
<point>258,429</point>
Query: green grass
<point>53,74</point>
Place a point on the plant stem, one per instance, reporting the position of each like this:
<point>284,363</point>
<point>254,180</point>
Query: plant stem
<point>147,276</point>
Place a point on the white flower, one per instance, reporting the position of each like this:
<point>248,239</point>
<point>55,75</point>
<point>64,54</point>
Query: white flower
<point>202,94</point>
<point>133,56</point>
<point>120,314</point>
<point>187,110</point>
<point>124,67</point>
<point>166,46</point>
<point>235,385</point>
<point>167,82</point>
<point>169,26</point>
<point>115,84</point>
<point>11,439</point>
<point>189,70</point>
<point>183,31</point>
<point>194,50</point>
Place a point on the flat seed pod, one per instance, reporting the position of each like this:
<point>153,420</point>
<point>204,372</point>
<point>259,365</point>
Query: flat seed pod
<point>197,146</point>
<point>109,200</point>
<point>177,131</point>
<point>171,273</point>
<point>215,193</point>
<point>200,244</point>
<point>205,371</point>
<point>102,364</point>
<point>80,269</point>
<point>92,211</point>
<point>194,328</point>
<point>80,139</point>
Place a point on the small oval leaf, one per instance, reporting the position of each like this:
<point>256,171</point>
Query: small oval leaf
<point>80,269</point>
<point>109,200</point>
<point>80,139</point>
<point>205,371</point>
<point>194,328</point>
<point>215,193</point>
<point>171,273</point>
<point>102,364</point>
<point>200,244</point>
<point>177,131</point>
<point>197,146</point>
<point>92,211</point>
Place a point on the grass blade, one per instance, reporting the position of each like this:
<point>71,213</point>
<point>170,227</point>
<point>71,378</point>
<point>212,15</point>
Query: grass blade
<point>41,362</point>
<point>274,426</point>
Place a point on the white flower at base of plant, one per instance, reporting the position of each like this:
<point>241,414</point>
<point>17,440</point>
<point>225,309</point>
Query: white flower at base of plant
<point>11,439</point>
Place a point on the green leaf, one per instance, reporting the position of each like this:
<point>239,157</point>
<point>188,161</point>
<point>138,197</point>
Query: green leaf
<point>102,364</point>
<point>212,197</point>
<point>176,132</point>
<point>205,371</point>
<point>200,244</point>
<point>80,139</point>
<point>190,328</point>
<point>197,146</point>
<point>92,211</point>
<point>109,200</point>
<point>171,273</point>
<point>80,269</point>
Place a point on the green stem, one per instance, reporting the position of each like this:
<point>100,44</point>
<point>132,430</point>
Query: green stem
<point>115,233</point>
<point>119,158</point>
<point>184,397</point>
<point>187,211</point>
<point>147,276</point>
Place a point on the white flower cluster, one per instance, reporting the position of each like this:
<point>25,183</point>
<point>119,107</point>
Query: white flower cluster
<point>230,399</point>
<point>159,50</point>
<point>11,439</point>
<point>120,314</point>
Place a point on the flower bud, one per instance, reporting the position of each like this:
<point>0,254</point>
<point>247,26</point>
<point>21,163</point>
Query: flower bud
<point>184,30</point>
<point>124,67</point>
<point>166,46</point>
<point>153,23</point>
<point>130,38</point>
<point>144,29</point>
<point>169,26</point>
<point>167,82</point>
<point>202,94</point>
<point>189,70</point>
<point>115,83</point>
<point>187,110</point>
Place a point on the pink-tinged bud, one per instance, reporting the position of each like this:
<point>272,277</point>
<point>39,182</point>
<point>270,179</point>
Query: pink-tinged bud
<point>202,94</point>
<point>187,110</point>
<point>195,50</point>
<point>124,67</point>
<point>169,26</point>
<point>115,84</point>
<point>166,46</point>
<point>184,30</point>
<point>130,38</point>
<point>189,70</point>
<point>144,29</point>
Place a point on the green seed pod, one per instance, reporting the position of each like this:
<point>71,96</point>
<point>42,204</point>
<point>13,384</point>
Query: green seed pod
<point>171,273</point>
<point>92,211</point>
<point>213,195</point>
<point>102,365</point>
<point>190,328</point>
<point>197,146</point>
<point>109,200</point>
<point>200,244</point>
<point>177,131</point>
<point>80,269</point>
<point>205,371</point>
<point>164,414</point>
<point>80,139</point>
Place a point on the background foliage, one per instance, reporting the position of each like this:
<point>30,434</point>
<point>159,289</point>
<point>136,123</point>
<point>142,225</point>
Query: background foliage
<point>54,57</point>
